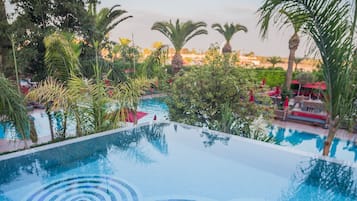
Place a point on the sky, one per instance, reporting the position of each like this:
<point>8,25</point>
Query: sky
<point>146,12</point>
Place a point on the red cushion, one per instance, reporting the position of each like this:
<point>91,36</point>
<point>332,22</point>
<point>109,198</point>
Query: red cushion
<point>139,115</point>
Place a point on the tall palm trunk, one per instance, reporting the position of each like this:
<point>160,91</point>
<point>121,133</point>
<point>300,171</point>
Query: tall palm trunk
<point>177,62</point>
<point>49,116</point>
<point>227,48</point>
<point>333,125</point>
<point>293,45</point>
<point>33,132</point>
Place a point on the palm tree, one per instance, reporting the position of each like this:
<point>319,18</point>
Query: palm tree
<point>62,56</point>
<point>179,34</point>
<point>56,97</point>
<point>228,30</point>
<point>12,108</point>
<point>321,19</point>
<point>94,105</point>
<point>274,60</point>
<point>104,21</point>
<point>12,38</point>
<point>293,41</point>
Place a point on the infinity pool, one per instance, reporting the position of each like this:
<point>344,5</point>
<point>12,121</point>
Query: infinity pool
<point>171,162</point>
<point>313,143</point>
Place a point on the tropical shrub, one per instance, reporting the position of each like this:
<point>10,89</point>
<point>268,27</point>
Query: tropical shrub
<point>217,96</point>
<point>12,108</point>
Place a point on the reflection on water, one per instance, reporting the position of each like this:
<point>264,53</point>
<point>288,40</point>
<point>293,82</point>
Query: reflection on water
<point>211,138</point>
<point>70,156</point>
<point>322,181</point>
<point>149,149</point>
<point>340,149</point>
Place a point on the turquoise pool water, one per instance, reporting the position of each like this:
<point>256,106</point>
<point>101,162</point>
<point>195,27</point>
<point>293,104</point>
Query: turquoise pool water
<point>313,143</point>
<point>171,162</point>
<point>152,106</point>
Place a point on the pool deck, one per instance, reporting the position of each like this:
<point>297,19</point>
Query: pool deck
<point>11,145</point>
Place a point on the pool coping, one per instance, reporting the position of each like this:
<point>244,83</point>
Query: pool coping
<point>235,137</point>
<point>277,147</point>
<point>67,142</point>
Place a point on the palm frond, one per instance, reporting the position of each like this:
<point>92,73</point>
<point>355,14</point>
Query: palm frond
<point>12,107</point>
<point>180,33</point>
<point>61,57</point>
<point>228,30</point>
<point>50,92</point>
<point>106,20</point>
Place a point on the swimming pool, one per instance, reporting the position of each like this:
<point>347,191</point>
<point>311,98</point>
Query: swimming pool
<point>171,162</point>
<point>151,106</point>
<point>313,143</point>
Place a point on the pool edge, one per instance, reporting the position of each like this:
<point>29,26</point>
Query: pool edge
<point>234,137</point>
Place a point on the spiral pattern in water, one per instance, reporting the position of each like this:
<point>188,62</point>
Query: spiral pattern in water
<point>85,188</point>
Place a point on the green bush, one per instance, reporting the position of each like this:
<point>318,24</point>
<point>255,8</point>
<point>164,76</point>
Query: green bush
<point>273,77</point>
<point>218,97</point>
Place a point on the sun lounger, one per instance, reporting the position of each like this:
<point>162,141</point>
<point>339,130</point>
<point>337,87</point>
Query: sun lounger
<point>309,120</point>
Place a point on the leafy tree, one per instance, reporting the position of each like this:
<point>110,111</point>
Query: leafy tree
<point>228,30</point>
<point>294,39</point>
<point>37,19</point>
<point>12,108</point>
<point>217,96</point>
<point>70,16</point>
<point>274,60</point>
<point>4,39</point>
<point>321,19</point>
<point>179,34</point>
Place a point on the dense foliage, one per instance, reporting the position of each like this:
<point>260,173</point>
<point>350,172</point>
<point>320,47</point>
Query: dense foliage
<point>320,19</point>
<point>37,19</point>
<point>217,96</point>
